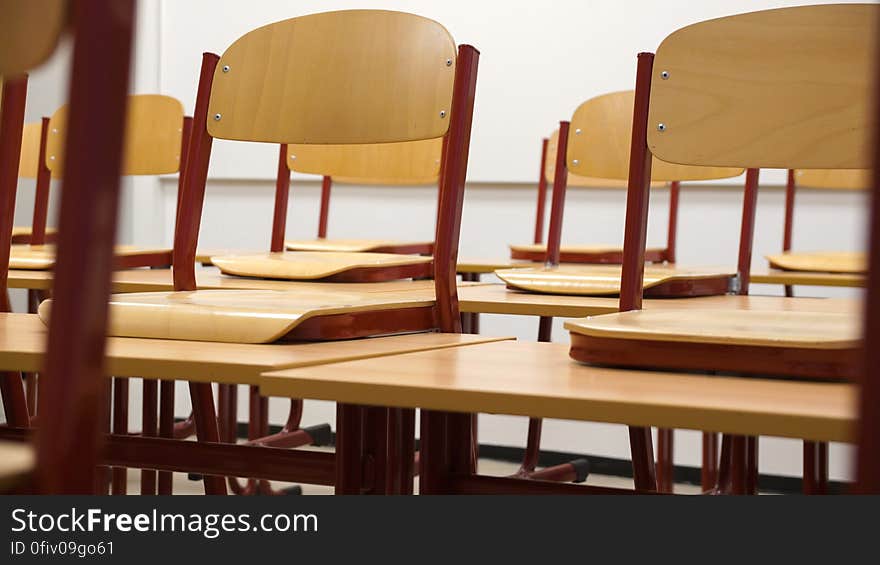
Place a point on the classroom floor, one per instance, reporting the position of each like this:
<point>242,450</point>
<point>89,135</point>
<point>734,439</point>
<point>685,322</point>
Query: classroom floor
<point>182,485</point>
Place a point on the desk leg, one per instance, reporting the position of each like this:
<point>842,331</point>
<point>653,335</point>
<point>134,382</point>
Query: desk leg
<point>445,449</point>
<point>166,430</point>
<point>709,470</point>
<point>665,460</point>
<point>149,428</point>
<point>120,427</point>
<point>375,449</point>
<point>815,468</point>
<point>205,419</point>
<point>102,475</point>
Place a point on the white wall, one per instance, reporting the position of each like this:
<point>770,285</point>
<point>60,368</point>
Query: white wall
<point>539,61</point>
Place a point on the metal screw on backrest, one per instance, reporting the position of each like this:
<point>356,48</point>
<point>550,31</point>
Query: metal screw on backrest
<point>225,68</point>
<point>442,113</point>
<point>52,157</point>
<point>448,62</point>
<point>293,157</point>
<point>661,127</point>
<point>577,131</point>
<point>664,75</point>
<point>217,117</point>
<point>575,162</point>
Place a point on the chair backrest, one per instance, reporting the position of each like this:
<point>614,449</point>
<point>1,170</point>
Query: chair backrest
<point>29,32</point>
<point>28,163</point>
<point>599,144</point>
<point>833,179</point>
<point>153,133</point>
<point>784,88</point>
<point>348,77</point>
<point>404,164</point>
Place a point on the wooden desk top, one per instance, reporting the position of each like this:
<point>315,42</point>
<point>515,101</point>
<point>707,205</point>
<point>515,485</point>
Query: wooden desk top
<point>540,380</point>
<point>160,280</point>
<point>23,343</point>
<point>497,299</point>
<point>488,266</point>
<point>802,278</point>
<point>16,461</point>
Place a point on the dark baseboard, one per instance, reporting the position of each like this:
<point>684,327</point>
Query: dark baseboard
<point>615,467</point>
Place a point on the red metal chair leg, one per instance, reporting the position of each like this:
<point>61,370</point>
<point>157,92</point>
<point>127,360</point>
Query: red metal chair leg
<point>102,475</point>
<point>642,450</point>
<point>709,470</point>
<point>166,430</point>
<point>665,460</point>
<point>752,465</point>
<point>149,428</point>
<point>815,468</point>
<point>738,465</point>
<point>120,427</point>
<point>14,399</point>
<point>205,418</point>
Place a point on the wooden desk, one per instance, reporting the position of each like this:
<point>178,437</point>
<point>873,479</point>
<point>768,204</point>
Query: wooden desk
<point>497,299</point>
<point>23,343</point>
<point>540,380</point>
<point>160,280</point>
<point>488,266</point>
<point>16,462</point>
<point>801,278</point>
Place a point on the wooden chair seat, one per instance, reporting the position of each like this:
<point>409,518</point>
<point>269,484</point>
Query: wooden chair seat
<point>22,234</point>
<point>259,316</point>
<point>42,257</point>
<point>362,245</point>
<point>325,265</point>
<point>604,280</point>
<point>582,253</point>
<point>820,261</point>
<point>803,344</point>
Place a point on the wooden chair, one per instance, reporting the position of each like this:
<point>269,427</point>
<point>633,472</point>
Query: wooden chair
<point>806,105</point>
<point>434,84</point>
<point>818,261</point>
<point>388,164</point>
<point>69,440</point>
<point>597,253</point>
<point>154,144</point>
<point>599,128</point>
<point>32,166</point>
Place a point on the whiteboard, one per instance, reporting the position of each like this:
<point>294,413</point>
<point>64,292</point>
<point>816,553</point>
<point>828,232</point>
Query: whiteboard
<point>539,60</point>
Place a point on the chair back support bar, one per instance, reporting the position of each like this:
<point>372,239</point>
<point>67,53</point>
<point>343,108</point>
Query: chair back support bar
<point>452,184</point>
<point>747,231</point>
<point>324,212</point>
<point>542,194</point>
<point>336,78</point>
<point>557,205</point>
<point>41,194</point>
<point>153,136</point>
<point>73,378</point>
<point>282,195</point>
<point>14,94</point>
<point>782,88</point>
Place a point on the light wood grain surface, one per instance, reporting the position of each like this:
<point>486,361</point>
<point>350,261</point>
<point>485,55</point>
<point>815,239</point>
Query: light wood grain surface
<point>42,257</point>
<point>356,76</point>
<point>597,248</point>
<point>845,262</point>
<point>539,380</point>
<point>23,345</point>
<point>784,88</point>
<point>26,230</point>
<point>153,132</point>
<point>153,280</point>
<point>778,276</point>
<point>485,266</point>
<point>399,163</point>
<point>16,462</point>
<point>598,280</point>
<point>809,330</point>
<point>239,316</point>
<point>309,265</point>
<point>496,299</point>
<point>348,245</point>
<point>601,149</point>
<point>833,179</point>
<point>30,32</point>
